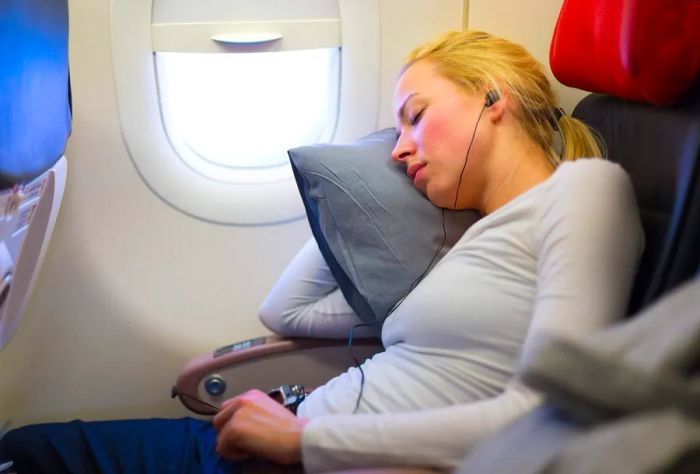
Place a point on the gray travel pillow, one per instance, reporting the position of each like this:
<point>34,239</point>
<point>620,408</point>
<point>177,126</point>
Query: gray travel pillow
<point>376,231</point>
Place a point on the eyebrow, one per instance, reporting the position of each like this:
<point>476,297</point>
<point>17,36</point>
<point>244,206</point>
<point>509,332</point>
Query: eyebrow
<point>402,109</point>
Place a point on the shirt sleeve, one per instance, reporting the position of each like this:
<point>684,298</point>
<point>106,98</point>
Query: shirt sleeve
<point>306,301</point>
<point>588,241</point>
<point>437,438</point>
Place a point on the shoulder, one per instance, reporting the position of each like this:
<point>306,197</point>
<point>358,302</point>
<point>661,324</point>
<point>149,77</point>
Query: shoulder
<point>591,182</point>
<point>589,194</point>
<point>591,174</point>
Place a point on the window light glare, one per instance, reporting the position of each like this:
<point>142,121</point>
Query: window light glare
<point>245,110</point>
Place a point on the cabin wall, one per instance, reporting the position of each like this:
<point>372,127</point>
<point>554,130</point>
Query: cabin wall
<point>530,23</point>
<point>131,288</point>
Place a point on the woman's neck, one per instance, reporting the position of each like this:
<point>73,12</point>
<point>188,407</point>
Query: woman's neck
<point>518,166</point>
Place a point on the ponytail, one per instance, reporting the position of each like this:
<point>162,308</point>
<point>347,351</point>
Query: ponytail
<point>579,140</point>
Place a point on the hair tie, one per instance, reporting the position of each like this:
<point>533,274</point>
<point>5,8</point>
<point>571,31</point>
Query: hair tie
<point>558,144</point>
<point>554,116</point>
<point>558,113</point>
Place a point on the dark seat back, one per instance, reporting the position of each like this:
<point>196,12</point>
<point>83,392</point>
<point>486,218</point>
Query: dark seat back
<point>660,149</point>
<point>635,53</point>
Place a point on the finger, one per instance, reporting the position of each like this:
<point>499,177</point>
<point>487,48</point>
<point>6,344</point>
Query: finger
<point>226,403</point>
<point>224,415</point>
<point>249,394</point>
<point>231,406</point>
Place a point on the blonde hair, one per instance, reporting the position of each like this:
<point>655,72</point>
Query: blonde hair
<point>478,61</point>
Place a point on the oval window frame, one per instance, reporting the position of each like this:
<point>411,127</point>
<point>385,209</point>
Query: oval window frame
<point>134,41</point>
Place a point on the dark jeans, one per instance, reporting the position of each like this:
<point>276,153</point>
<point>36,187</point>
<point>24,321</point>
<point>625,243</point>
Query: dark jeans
<point>184,445</point>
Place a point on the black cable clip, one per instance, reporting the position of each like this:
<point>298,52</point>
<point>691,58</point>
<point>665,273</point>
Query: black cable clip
<point>289,396</point>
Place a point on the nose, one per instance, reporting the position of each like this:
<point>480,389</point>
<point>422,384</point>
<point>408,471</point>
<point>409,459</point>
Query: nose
<point>404,149</point>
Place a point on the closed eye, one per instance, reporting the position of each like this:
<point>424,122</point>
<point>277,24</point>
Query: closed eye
<point>416,118</point>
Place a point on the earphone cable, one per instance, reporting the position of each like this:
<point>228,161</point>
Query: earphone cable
<point>422,275</point>
<point>195,399</point>
<point>357,362</point>
<point>466,158</point>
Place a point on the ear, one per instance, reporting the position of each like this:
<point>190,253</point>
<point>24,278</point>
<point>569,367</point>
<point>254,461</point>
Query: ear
<point>499,107</point>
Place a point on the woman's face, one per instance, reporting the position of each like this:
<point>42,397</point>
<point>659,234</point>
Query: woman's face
<point>435,123</point>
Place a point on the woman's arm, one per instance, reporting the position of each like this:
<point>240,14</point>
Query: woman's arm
<point>589,242</point>
<point>252,424</point>
<point>306,301</point>
<point>437,438</point>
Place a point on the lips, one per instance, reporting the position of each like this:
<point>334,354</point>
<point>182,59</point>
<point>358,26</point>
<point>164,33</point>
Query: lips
<point>413,170</point>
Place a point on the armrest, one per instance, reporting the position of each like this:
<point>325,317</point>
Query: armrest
<point>264,363</point>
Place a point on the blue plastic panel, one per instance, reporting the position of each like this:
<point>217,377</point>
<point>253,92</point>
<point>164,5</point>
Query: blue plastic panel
<point>35,115</point>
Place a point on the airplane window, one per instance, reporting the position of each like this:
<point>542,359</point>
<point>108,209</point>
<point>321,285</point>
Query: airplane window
<point>232,117</point>
<point>213,93</point>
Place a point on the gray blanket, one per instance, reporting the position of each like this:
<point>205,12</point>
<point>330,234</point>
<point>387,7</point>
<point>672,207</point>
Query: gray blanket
<point>626,400</point>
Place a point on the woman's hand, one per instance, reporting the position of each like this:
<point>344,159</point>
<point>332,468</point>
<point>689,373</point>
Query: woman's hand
<point>253,424</point>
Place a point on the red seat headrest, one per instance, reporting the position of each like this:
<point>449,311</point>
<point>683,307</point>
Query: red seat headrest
<point>643,50</point>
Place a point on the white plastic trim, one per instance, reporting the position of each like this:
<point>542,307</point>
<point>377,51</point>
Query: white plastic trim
<point>245,36</point>
<point>359,80</point>
<point>29,248</point>
<point>176,182</point>
<point>187,11</point>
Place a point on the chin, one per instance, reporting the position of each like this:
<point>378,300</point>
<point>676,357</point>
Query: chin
<point>439,199</point>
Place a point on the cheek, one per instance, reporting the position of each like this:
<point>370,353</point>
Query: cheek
<point>441,139</point>
<point>434,133</point>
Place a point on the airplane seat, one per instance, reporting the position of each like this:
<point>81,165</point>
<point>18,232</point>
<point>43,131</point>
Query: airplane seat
<point>665,170</point>
<point>648,114</point>
<point>35,122</point>
<point>641,58</point>
<point>642,62</point>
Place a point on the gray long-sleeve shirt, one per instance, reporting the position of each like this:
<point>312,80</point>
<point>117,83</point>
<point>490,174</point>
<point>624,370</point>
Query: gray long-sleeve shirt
<point>558,258</point>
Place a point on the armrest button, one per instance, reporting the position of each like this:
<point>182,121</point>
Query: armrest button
<point>215,385</point>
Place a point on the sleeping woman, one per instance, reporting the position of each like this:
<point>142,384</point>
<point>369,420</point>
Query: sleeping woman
<point>555,251</point>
